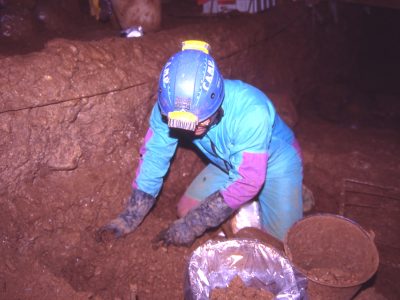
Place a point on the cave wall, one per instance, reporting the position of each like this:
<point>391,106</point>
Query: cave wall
<point>73,116</point>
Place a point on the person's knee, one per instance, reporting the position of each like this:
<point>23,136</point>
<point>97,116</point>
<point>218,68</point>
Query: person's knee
<point>277,229</point>
<point>185,204</point>
<point>278,222</point>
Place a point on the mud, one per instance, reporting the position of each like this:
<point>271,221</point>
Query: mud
<point>335,254</point>
<point>237,290</point>
<point>74,103</point>
<point>257,234</point>
<point>332,250</point>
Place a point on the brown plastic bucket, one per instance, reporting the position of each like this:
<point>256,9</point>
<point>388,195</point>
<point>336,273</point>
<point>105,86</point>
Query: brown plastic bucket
<point>336,255</point>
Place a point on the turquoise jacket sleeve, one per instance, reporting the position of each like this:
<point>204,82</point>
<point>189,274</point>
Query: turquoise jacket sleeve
<point>248,159</point>
<point>239,143</point>
<point>155,155</point>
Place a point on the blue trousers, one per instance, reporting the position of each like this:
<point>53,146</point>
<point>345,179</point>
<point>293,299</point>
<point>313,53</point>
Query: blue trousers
<point>280,198</point>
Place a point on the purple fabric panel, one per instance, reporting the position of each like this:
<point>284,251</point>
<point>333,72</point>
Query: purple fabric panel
<point>252,173</point>
<point>142,151</point>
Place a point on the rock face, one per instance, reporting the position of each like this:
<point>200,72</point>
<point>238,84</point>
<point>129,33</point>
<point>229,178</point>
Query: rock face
<point>17,21</point>
<point>145,13</point>
<point>72,119</point>
<point>77,104</point>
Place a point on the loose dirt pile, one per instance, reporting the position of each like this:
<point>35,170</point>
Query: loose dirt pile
<point>237,290</point>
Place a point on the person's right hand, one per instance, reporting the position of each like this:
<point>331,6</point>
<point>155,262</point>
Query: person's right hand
<point>111,231</point>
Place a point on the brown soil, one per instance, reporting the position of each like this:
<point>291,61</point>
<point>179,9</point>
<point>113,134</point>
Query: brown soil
<point>332,251</point>
<point>257,234</point>
<point>69,148</point>
<point>237,290</point>
<point>335,276</point>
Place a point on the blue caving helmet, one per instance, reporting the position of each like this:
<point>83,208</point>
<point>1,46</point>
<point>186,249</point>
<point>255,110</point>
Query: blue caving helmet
<point>191,88</point>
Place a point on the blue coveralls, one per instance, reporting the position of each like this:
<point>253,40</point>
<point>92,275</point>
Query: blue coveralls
<point>252,153</point>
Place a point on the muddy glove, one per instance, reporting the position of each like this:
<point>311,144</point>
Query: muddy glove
<point>139,204</point>
<point>210,213</point>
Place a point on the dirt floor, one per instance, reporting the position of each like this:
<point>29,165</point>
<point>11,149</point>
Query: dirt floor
<point>347,121</point>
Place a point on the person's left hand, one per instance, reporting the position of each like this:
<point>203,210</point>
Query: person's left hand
<point>178,234</point>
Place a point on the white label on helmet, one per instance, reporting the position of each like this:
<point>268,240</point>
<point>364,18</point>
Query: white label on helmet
<point>209,75</point>
<point>166,73</point>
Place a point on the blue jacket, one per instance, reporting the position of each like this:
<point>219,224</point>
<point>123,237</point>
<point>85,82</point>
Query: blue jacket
<point>242,144</point>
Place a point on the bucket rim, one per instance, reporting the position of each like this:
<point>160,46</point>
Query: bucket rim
<point>370,238</point>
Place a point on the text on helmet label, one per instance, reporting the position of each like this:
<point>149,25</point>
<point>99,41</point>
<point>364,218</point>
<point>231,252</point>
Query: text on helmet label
<point>209,75</point>
<point>166,73</point>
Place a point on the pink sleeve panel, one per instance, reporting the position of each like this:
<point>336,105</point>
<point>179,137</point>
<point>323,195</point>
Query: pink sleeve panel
<point>251,176</point>
<point>142,152</point>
